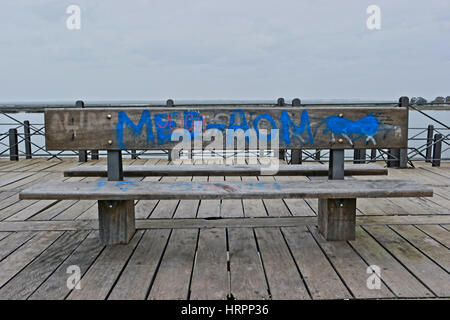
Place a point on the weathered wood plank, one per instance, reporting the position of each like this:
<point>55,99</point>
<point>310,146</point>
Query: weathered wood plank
<point>135,280</point>
<point>101,276</point>
<point>246,271</point>
<point>433,249</point>
<point>399,279</point>
<point>351,268</point>
<point>285,282</point>
<point>20,258</point>
<point>151,128</point>
<point>13,242</point>
<point>255,222</point>
<point>173,278</point>
<point>224,170</point>
<point>29,279</point>
<point>131,190</point>
<point>438,233</point>
<point>317,272</point>
<point>55,286</point>
<point>210,274</point>
<point>433,276</point>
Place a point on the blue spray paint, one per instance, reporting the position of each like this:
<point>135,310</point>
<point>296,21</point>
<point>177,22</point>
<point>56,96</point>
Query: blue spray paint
<point>164,126</point>
<point>100,185</point>
<point>288,127</point>
<point>124,185</point>
<point>136,130</point>
<point>269,118</point>
<point>351,130</point>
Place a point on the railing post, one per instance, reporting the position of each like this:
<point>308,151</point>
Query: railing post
<point>82,154</point>
<point>359,156</point>
<point>133,154</point>
<point>296,154</point>
<point>437,150</point>
<point>428,153</point>
<point>170,104</point>
<point>27,137</point>
<point>373,155</point>
<point>94,154</point>
<point>13,145</point>
<point>281,152</point>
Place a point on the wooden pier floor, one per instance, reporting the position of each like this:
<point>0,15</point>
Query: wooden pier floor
<point>176,257</point>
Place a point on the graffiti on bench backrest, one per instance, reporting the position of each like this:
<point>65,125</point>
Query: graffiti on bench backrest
<point>154,128</point>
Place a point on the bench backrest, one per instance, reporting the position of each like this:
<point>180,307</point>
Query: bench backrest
<point>319,127</point>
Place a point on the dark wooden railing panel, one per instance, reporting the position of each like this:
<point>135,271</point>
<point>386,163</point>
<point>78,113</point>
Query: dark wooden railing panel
<point>324,127</point>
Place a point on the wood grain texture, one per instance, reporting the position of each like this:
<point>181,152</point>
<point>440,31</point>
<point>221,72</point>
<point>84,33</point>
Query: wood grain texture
<point>224,170</point>
<point>174,274</point>
<point>138,128</point>
<point>430,273</point>
<point>131,190</point>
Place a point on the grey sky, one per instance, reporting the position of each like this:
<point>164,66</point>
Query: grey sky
<point>223,49</point>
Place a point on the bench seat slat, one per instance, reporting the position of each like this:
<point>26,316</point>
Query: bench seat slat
<point>224,170</point>
<point>134,190</point>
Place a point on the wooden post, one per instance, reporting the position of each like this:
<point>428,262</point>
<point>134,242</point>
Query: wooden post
<point>116,217</point>
<point>296,154</point>
<point>27,137</point>
<point>82,154</point>
<point>359,156</point>
<point>13,145</point>
<point>337,217</point>
<point>430,132</point>
<point>437,150</point>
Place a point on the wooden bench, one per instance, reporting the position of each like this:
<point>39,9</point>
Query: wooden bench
<point>224,170</point>
<point>321,127</point>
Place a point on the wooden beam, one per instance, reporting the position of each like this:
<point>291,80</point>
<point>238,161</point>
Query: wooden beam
<point>299,126</point>
<point>224,170</point>
<point>147,190</point>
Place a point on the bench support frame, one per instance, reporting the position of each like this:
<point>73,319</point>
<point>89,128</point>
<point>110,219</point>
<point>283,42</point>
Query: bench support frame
<point>337,217</point>
<point>116,217</point>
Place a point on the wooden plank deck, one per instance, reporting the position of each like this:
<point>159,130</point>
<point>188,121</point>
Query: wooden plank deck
<point>204,249</point>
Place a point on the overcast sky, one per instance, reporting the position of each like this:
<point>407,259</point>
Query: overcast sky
<point>223,49</point>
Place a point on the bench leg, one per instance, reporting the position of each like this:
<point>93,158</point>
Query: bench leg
<point>116,220</point>
<point>337,218</point>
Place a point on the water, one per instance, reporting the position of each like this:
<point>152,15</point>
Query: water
<point>416,120</point>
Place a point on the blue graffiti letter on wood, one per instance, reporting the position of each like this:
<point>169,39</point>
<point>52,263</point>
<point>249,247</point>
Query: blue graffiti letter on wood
<point>136,130</point>
<point>288,127</point>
